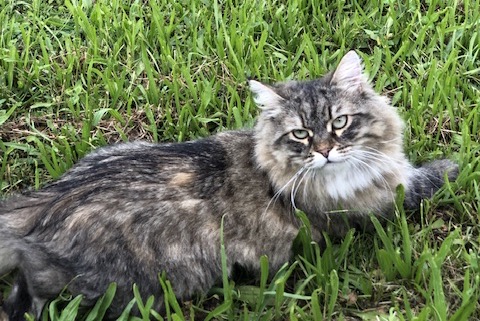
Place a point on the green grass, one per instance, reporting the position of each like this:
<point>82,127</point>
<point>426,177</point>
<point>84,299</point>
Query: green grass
<point>75,75</point>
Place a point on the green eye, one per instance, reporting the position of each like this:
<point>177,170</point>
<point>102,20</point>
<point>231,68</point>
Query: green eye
<point>300,133</point>
<point>340,122</point>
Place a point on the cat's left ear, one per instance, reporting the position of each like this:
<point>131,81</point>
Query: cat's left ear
<point>349,73</point>
<point>265,97</point>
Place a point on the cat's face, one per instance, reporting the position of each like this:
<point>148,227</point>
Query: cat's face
<point>333,123</point>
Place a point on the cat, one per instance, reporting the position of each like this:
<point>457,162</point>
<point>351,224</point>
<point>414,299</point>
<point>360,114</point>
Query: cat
<point>330,147</point>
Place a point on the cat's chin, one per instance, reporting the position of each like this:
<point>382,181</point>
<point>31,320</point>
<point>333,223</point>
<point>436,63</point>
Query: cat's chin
<point>331,169</point>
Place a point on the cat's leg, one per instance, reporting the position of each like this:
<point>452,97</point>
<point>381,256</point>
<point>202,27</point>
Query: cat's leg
<point>19,301</point>
<point>38,280</point>
<point>428,179</point>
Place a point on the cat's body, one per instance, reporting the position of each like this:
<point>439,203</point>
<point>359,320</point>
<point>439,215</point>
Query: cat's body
<point>125,213</point>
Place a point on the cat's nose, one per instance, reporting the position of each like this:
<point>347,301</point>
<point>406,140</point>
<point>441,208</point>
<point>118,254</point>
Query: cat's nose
<point>323,147</point>
<point>325,152</point>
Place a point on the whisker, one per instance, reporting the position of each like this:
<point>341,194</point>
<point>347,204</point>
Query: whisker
<point>391,140</point>
<point>279,192</point>
<point>379,153</point>
<point>383,158</point>
<point>379,157</point>
<point>294,190</point>
<point>371,169</point>
<point>307,182</point>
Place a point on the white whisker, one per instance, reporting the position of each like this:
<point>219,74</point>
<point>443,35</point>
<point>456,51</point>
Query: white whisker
<point>279,192</point>
<point>376,152</point>
<point>372,170</point>
<point>379,157</point>
<point>294,190</point>
<point>391,140</point>
<point>307,182</point>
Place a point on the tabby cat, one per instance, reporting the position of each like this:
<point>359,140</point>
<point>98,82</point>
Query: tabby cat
<point>330,147</point>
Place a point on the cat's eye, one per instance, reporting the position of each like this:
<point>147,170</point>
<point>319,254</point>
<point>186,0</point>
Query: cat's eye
<point>300,133</point>
<point>340,122</point>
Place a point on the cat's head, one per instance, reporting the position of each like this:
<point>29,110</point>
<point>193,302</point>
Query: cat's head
<point>334,123</point>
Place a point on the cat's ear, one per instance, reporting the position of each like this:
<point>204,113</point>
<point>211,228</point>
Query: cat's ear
<point>265,97</point>
<point>349,73</point>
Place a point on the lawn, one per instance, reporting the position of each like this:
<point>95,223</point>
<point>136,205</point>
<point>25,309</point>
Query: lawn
<point>76,75</point>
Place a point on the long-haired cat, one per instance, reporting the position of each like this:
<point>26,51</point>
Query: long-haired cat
<point>330,147</point>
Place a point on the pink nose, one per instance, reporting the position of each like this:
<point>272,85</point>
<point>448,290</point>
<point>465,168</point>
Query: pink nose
<point>324,152</point>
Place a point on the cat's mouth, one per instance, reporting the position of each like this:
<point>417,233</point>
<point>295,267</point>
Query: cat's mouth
<point>319,163</point>
<point>331,162</point>
<point>320,160</point>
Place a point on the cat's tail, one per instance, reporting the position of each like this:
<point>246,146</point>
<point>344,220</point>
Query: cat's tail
<point>428,179</point>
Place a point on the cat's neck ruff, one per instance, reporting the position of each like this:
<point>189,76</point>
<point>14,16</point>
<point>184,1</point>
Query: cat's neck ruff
<point>341,183</point>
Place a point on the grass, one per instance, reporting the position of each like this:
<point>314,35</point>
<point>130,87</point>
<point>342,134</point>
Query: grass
<point>75,75</point>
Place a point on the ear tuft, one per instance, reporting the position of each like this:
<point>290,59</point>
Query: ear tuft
<point>349,73</point>
<point>265,97</point>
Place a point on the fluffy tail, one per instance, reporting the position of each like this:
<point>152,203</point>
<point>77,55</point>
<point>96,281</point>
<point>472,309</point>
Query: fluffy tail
<point>427,180</point>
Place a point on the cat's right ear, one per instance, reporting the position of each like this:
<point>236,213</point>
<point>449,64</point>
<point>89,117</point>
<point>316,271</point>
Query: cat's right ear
<point>265,97</point>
